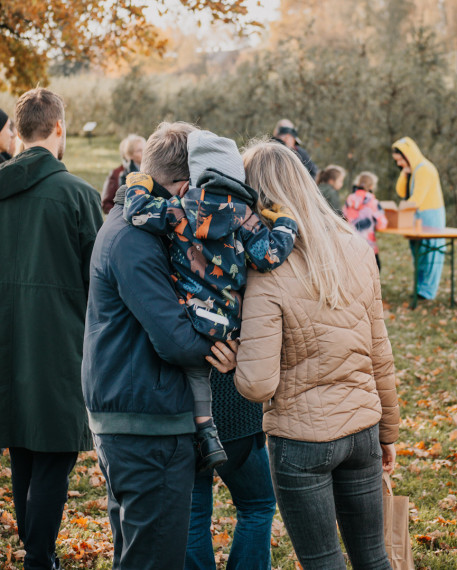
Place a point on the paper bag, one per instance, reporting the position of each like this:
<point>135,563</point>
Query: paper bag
<point>396,533</point>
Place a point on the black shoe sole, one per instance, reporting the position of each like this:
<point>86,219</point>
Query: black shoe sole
<point>211,461</point>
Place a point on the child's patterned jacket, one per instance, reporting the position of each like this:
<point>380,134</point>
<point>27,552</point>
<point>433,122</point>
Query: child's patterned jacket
<point>365,214</point>
<point>213,233</point>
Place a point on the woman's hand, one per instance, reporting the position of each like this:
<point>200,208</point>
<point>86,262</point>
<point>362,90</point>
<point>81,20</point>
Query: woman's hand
<point>388,457</point>
<point>224,358</point>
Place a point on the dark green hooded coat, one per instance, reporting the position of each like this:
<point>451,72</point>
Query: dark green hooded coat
<point>49,220</point>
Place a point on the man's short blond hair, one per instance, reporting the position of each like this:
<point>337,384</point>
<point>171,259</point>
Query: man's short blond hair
<point>37,112</point>
<point>165,157</point>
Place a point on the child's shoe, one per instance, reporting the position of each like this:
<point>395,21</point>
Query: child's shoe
<point>209,448</point>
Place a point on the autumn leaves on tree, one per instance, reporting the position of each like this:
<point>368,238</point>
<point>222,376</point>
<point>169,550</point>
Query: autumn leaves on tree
<point>34,32</point>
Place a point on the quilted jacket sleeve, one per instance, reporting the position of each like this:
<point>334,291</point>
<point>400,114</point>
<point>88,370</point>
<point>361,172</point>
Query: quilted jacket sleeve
<point>259,355</point>
<point>383,367</point>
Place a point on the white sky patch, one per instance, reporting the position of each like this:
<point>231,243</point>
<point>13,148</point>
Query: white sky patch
<point>224,37</point>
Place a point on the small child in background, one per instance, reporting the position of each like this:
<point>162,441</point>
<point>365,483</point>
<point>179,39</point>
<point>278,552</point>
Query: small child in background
<point>330,181</point>
<point>214,234</point>
<point>363,211</point>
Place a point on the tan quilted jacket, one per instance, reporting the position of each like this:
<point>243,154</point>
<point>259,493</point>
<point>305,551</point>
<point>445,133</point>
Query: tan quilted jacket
<point>322,374</point>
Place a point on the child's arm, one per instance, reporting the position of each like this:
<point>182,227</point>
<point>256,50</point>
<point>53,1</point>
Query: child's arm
<point>266,249</point>
<point>141,209</point>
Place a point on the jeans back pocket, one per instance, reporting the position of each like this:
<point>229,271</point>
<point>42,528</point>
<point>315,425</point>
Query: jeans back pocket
<point>375,446</point>
<point>307,456</point>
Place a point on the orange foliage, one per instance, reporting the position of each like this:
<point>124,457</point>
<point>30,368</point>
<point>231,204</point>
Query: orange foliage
<point>31,30</point>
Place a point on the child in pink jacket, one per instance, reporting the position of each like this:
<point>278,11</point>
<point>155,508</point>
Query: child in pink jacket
<point>363,211</point>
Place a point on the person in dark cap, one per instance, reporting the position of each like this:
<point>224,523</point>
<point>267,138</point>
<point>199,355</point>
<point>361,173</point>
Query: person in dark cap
<point>6,136</point>
<point>286,133</point>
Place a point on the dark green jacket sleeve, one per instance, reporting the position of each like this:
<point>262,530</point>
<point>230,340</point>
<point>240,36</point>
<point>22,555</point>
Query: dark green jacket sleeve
<point>90,221</point>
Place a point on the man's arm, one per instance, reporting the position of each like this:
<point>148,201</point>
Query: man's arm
<point>142,276</point>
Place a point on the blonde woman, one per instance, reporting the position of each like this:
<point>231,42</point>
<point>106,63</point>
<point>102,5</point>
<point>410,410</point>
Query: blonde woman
<point>314,350</point>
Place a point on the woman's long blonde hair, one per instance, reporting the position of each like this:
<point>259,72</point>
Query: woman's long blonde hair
<point>280,178</point>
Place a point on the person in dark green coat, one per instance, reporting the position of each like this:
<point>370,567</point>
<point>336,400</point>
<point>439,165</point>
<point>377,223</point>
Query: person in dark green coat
<point>49,220</point>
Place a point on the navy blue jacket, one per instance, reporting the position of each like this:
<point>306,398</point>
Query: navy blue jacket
<point>137,336</point>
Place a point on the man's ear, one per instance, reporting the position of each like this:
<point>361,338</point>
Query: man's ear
<point>184,188</point>
<point>59,128</point>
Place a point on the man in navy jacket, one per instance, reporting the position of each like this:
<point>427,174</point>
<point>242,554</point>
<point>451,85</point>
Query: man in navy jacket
<point>139,403</point>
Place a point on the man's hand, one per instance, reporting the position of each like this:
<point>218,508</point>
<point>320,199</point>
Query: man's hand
<point>388,457</point>
<point>224,358</point>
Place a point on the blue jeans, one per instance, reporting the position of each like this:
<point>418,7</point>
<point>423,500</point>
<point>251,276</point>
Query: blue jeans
<point>317,484</point>
<point>247,475</point>
<point>149,483</point>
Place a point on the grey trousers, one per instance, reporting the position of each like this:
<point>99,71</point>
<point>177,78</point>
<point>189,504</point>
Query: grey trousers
<point>199,380</point>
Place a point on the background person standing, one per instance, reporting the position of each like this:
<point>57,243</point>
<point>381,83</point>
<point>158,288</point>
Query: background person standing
<point>286,133</point>
<point>50,219</point>
<point>6,136</point>
<point>133,148</point>
<point>111,184</point>
<point>419,182</point>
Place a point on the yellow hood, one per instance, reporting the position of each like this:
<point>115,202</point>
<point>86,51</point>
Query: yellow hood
<point>411,151</point>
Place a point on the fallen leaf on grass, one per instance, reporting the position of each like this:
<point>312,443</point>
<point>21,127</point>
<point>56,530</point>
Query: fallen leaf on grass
<point>96,481</point>
<point>436,449</point>
<point>19,554</point>
<point>278,528</point>
<point>221,539</point>
<point>98,504</point>
<point>7,519</point>
<point>448,503</point>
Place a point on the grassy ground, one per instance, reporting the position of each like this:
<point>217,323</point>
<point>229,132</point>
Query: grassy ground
<point>424,344</point>
<point>92,160</point>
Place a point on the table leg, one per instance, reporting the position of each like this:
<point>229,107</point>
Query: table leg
<point>452,273</point>
<point>417,242</point>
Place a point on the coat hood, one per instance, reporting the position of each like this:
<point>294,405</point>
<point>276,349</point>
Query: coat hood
<point>411,151</point>
<point>208,150</point>
<point>219,206</point>
<point>26,170</point>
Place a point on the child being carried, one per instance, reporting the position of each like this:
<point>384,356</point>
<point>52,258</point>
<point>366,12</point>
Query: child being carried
<point>214,234</point>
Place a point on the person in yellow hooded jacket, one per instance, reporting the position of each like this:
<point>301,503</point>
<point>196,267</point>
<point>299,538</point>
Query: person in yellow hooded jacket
<point>419,182</point>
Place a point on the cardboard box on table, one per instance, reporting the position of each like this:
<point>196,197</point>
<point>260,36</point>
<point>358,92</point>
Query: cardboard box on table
<point>401,216</point>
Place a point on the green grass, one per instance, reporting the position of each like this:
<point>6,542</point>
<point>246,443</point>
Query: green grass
<point>93,160</point>
<point>424,344</point>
